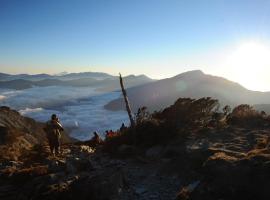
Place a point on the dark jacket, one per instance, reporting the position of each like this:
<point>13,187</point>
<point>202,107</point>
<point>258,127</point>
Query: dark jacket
<point>53,129</point>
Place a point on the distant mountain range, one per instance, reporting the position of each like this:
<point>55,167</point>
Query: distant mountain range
<point>60,76</point>
<point>101,81</point>
<point>194,84</point>
<point>144,91</point>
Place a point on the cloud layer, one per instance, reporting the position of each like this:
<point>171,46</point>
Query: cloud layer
<point>79,109</point>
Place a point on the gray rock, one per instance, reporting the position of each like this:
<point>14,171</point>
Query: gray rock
<point>55,176</point>
<point>56,165</point>
<point>140,190</point>
<point>126,150</point>
<point>154,196</point>
<point>10,163</point>
<point>192,186</point>
<point>172,151</point>
<point>154,152</point>
<point>75,164</point>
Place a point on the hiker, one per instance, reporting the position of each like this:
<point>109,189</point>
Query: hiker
<point>53,130</point>
<point>96,139</point>
<point>109,134</point>
<point>123,128</point>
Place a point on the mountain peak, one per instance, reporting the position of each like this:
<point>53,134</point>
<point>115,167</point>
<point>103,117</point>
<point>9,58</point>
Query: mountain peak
<point>193,73</point>
<point>61,74</point>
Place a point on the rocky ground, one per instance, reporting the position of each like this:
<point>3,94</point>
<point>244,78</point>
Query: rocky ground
<point>85,173</point>
<point>228,161</point>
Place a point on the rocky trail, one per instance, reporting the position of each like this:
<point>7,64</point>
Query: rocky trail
<point>83,172</point>
<point>81,169</point>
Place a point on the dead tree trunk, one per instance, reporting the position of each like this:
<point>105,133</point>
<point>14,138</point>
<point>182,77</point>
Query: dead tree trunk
<point>132,123</point>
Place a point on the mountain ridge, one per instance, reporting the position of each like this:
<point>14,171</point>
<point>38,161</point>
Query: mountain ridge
<point>191,84</point>
<point>107,83</point>
<point>62,76</point>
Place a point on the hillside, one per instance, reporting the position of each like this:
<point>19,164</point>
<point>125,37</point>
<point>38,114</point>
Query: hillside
<point>19,134</point>
<point>193,84</point>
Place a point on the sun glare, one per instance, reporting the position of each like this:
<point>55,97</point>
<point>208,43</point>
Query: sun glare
<point>249,64</point>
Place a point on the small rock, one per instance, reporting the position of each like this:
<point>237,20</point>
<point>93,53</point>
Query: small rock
<point>192,186</point>
<point>154,152</point>
<point>153,196</point>
<point>55,176</point>
<point>11,163</point>
<point>56,165</point>
<point>172,151</point>
<point>86,149</point>
<point>76,164</point>
<point>126,150</point>
<point>140,190</point>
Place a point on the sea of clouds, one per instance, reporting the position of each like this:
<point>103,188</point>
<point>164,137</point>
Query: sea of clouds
<point>80,109</point>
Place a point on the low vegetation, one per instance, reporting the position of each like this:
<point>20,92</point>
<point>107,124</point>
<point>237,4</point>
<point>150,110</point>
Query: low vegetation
<point>184,117</point>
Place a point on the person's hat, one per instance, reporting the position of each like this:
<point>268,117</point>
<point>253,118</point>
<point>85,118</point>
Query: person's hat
<point>53,116</point>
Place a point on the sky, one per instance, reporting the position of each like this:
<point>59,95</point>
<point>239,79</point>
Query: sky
<point>159,38</point>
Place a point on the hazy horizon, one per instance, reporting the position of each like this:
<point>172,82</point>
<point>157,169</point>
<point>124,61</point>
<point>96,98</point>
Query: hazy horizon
<point>60,73</point>
<point>157,38</point>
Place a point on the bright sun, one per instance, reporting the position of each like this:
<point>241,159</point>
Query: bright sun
<point>250,65</point>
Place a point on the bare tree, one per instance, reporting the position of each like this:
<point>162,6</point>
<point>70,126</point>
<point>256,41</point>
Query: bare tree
<point>127,102</point>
